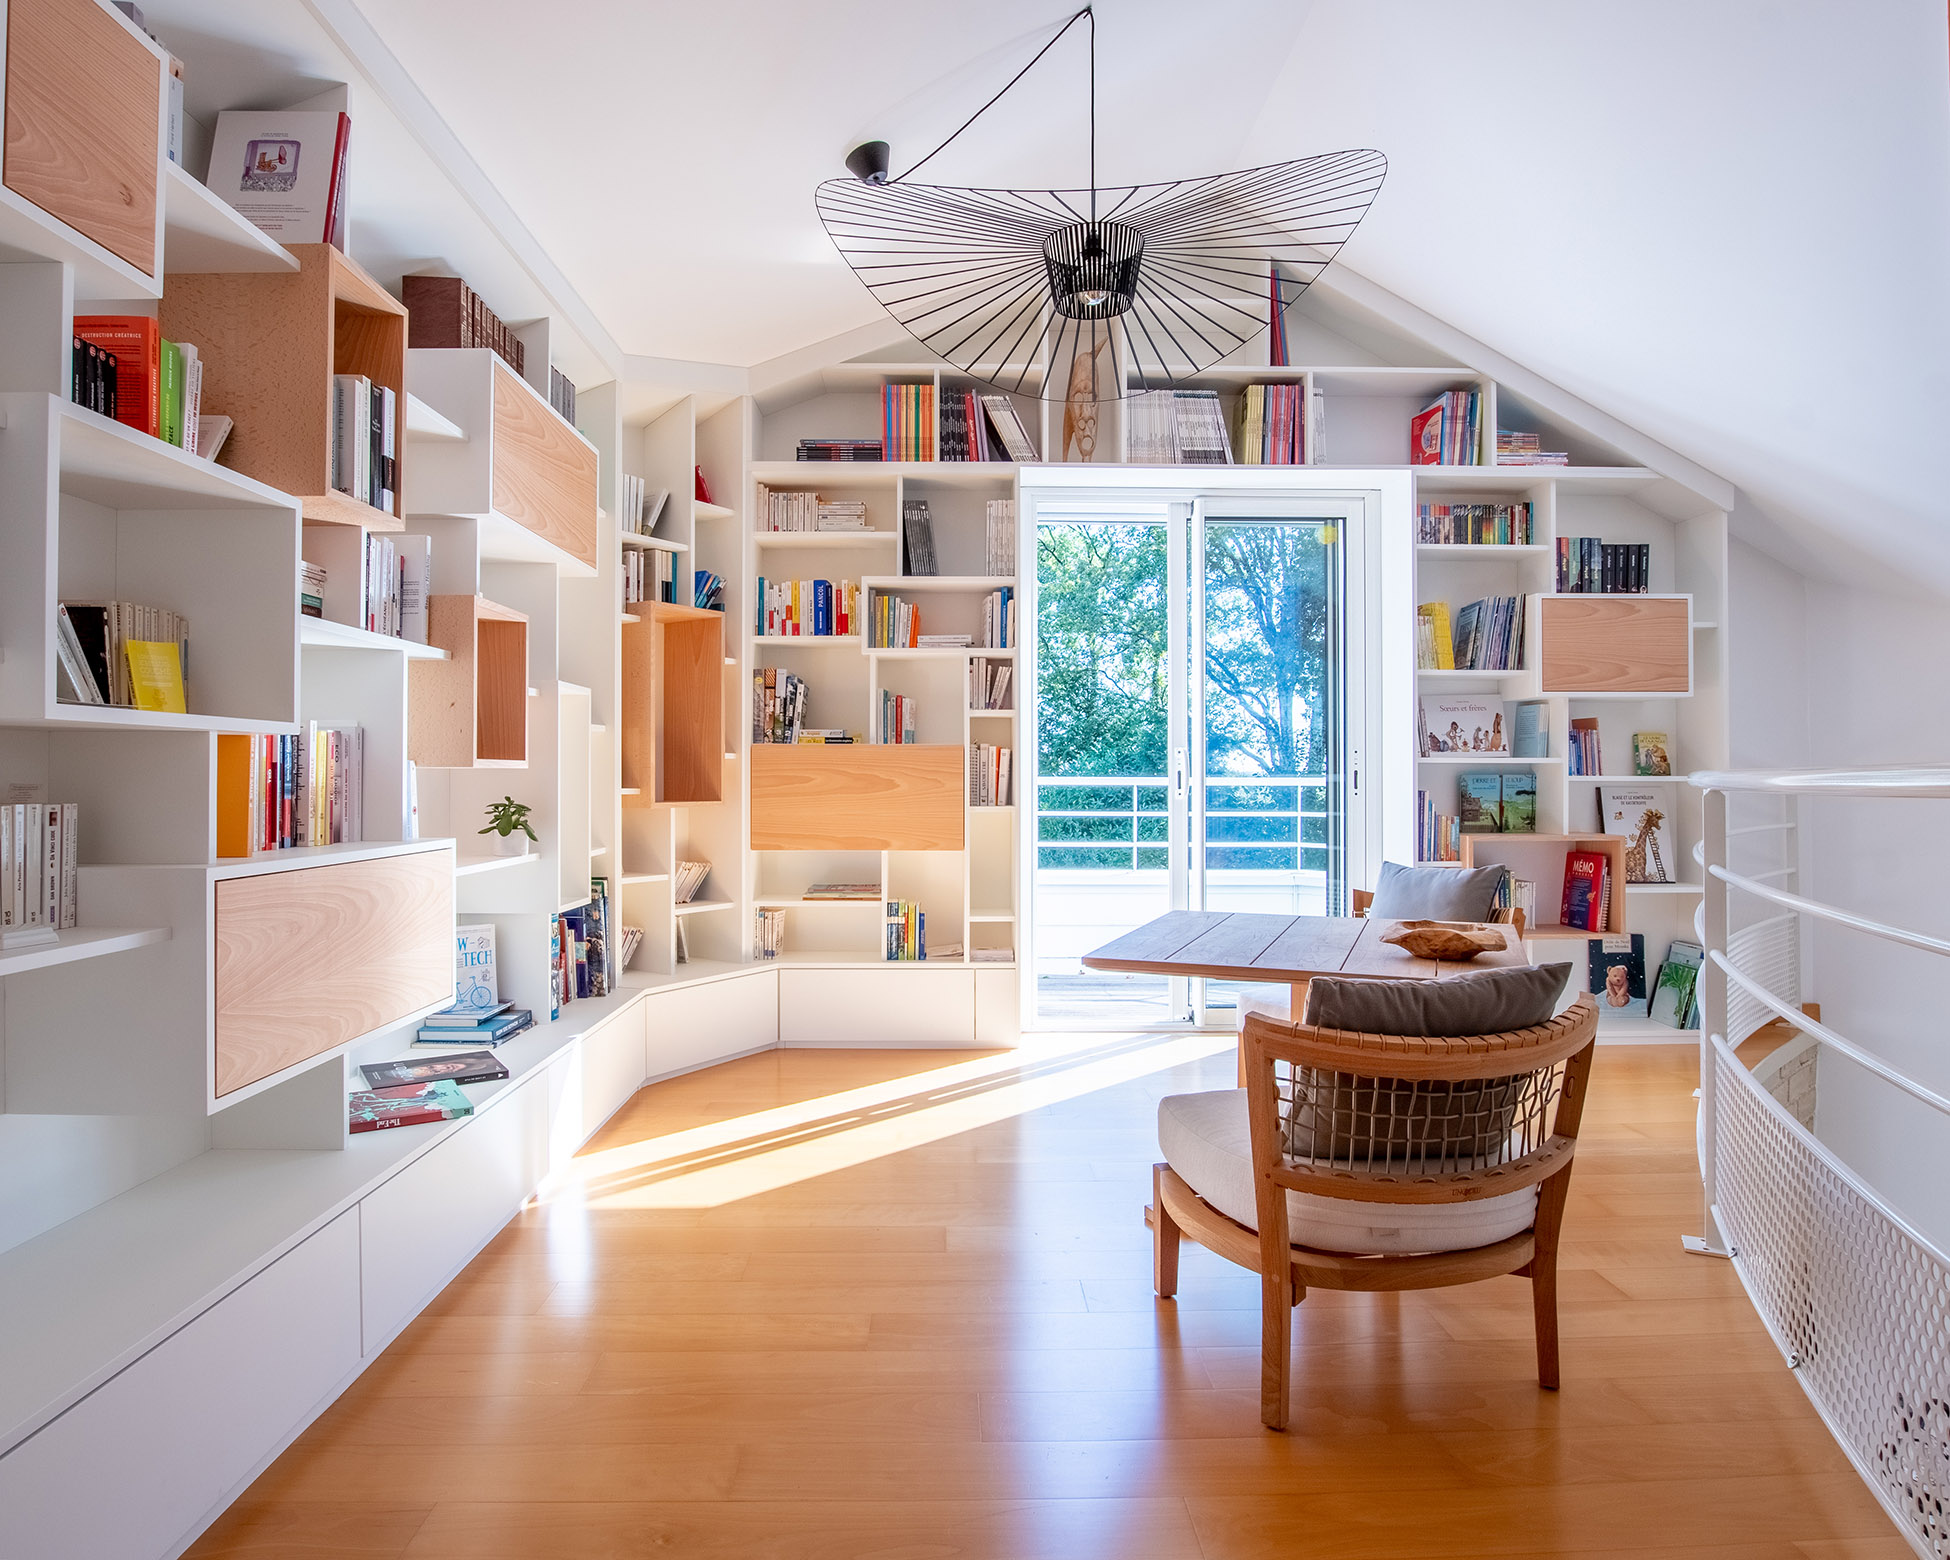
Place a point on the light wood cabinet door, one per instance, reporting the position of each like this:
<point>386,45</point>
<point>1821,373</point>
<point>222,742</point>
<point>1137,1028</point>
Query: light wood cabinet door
<point>544,475</point>
<point>897,797</point>
<point>1617,644</point>
<point>309,960</point>
<point>84,114</point>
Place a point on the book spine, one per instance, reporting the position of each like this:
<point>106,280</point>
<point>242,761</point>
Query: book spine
<point>70,864</point>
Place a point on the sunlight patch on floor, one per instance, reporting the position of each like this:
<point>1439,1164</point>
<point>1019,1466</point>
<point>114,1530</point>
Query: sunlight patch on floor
<point>743,1156</point>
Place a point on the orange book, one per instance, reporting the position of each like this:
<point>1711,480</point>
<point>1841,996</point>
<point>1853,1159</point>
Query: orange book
<point>136,341</point>
<point>237,791</point>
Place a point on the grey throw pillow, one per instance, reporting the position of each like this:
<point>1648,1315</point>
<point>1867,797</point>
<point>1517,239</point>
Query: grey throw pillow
<point>1346,1118</point>
<point>1435,893</point>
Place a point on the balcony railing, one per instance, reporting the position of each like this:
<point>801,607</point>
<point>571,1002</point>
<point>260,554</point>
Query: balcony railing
<point>1252,823</point>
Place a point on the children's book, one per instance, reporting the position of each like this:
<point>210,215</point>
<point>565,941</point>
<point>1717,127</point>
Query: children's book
<point>282,171</point>
<point>1462,723</point>
<point>1638,813</point>
<point>374,1110</point>
<point>1479,801</point>
<point>1585,890</point>
<point>1519,801</point>
<point>1530,737</point>
<point>1651,753</point>
<point>455,1067</point>
<point>1618,975</point>
<point>1674,991</point>
<point>476,986</point>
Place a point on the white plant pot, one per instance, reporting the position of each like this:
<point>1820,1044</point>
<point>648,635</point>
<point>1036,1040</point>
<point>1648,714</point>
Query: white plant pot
<point>515,844</point>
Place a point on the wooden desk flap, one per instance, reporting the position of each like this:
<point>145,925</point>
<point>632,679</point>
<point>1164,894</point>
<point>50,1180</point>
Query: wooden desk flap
<point>904,797</point>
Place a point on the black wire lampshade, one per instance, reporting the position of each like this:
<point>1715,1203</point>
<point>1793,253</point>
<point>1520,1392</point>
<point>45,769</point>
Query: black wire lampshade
<point>1091,294</point>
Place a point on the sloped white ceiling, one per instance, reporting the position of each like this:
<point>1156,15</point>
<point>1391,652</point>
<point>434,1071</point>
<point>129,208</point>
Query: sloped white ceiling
<point>1724,223</point>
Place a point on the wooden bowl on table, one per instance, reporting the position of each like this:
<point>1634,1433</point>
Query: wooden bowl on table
<point>1446,940</point>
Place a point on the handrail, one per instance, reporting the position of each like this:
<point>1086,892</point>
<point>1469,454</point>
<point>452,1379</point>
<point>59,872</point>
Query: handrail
<point>1903,782</point>
<point>1814,907</point>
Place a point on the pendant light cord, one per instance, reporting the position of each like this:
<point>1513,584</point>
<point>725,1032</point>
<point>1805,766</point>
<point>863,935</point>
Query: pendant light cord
<point>1086,11</point>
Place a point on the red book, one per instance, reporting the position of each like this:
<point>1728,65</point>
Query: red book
<point>1425,437</point>
<point>136,341</point>
<point>1585,889</point>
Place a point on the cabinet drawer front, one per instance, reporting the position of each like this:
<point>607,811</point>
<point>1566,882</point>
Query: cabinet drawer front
<point>84,107</point>
<point>857,798</point>
<point>311,959</point>
<point>1617,644</point>
<point>544,476</point>
<point>902,1006</point>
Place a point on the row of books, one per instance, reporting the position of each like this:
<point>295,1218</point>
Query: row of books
<point>999,619</point>
<point>121,653</point>
<point>1448,431</point>
<point>365,417</point>
<point>1489,635</point>
<point>893,624</point>
<point>628,940</point>
<point>640,508</point>
<point>1526,449</point>
<point>282,792</point>
<point>907,930</point>
<point>584,955</point>
<point>1176,427</point>
<point>649,574</point>
<point>1473,525</point>
<point>1497,801</point>
<point>1001,522</point>
<point>1584,751</point>
<point>124,369</point>
<point>800,509</point>
<point>687,879</point>
<point>991,782</point>
<point>397,581</point>
<point>40,852</point>
<point>443,311</point>
<point>1273,425</point>
<point>898,718</point>
<point>707,591</point>
<point>1438,835</point>
<point>562,395</point>
<point>778,705</point>
<point>768,934</point>
<point>983,427</point>
<point>907,421</point>
<point>1586,565</point>
<point>840,449</point>
<point>988,686</point>
<point>791,609</point>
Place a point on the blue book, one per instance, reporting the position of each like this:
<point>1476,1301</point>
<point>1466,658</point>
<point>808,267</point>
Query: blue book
<point>492,1033</point>
<point>1530,736</point>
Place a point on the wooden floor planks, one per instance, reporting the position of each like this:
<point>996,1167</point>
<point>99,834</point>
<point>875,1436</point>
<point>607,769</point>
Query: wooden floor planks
<point>814,1305</point>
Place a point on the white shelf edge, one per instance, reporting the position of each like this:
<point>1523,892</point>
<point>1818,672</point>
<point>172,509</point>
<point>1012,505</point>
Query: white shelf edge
<point>343,636</point>
<point>474,866</point>
<point>700,906</point>
<point>652,543</point>
<point>202,232</point>
<point>79,942</point>
<point>423,422</point>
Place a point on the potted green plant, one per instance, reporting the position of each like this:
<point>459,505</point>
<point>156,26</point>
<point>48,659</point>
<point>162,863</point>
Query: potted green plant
<point>507,821</point>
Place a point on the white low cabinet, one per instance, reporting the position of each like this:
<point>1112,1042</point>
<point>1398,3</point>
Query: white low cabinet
<point>613,1067</point>
<point>141,1462</point>
<point>422,1226</point>
<point>892,1005</point>
<point>693,1026</point>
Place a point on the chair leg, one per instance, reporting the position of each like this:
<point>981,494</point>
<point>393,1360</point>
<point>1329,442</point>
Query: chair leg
<point>1275,1347</point>
<point>1543,1295</point>
<point>1164,1239</point>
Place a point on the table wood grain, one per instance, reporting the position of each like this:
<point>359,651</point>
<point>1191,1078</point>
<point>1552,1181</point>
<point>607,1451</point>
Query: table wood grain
<point>1284,950</point>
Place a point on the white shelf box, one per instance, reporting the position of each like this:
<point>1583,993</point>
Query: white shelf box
<point>99,512</point>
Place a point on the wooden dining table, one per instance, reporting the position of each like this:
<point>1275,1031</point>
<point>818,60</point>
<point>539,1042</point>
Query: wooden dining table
<point>1283,950</point>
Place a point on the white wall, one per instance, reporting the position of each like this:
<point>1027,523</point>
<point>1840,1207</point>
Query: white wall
<point>54,1167</point>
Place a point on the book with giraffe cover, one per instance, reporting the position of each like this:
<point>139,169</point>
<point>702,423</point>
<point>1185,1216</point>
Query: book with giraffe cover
<point>1639,814</point>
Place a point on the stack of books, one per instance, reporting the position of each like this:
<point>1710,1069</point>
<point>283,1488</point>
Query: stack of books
<point>1526,449</point>
<point>895,624</point>
<point>411,1105</point>
<point>907,930</point>
<point>999,619</point>
<point>778,705</point>
<point>1177,427</point>
<point>990,783</point>
<point>561,394</point>
<point>1438,836</point>
<point>443,311</point>
<point>768,934</point>
<point>364,417</point>
<point>1435,645</point>
<point>474,1026</point>
<point>707,591</point>
<point>840,449</point>
<point>1675,990</point>
<point>1515,893</point>
<point>988,686</point>
<point>287,792</point>
<point>1585,755</point>
<point>311,589</point>
<point>687,880</point>
<point>907,421</point>
<point>946,641</point>
<point>790,609</point>
<point>40,851</point>
<point>1587,565</point>
<point>897,718</point>
<point>649,574</point>
<point>991,955</point>
<point>1473,525</point>
<point>848,893</point>
<point>1489,635</point>
<point>1002,537</point>
<point>1449,431</point>
<point>142,381</point>
<point>640,508</point>
<point>1273,425</point>
<point>123,654</point>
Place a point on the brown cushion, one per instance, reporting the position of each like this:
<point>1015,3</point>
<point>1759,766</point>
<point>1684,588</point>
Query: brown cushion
<point>1348,1118</point>
<point>1435,893</point>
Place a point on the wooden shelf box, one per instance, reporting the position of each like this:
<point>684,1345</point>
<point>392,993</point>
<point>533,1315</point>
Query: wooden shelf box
<point>1614,645</point>
<point>895,797</point>
<point>471,710</point>
<point>673,705</point>
<point>270,344</point>
<point>1539,858</point>
<point>523,473</point>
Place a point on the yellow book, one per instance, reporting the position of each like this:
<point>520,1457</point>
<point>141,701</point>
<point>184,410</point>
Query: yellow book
<point>1442,640</point>
<point>156,674</point>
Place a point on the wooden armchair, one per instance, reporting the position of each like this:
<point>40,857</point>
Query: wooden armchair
<point>1463,1146</point>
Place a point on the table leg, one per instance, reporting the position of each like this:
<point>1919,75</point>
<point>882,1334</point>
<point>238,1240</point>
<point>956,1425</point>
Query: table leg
<point>1296,1005</point>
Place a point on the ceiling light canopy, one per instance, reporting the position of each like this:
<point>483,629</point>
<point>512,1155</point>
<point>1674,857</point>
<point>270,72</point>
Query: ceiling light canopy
<point>1096,292</point>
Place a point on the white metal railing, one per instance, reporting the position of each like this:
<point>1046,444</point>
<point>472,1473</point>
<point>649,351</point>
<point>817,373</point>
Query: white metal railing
<point>1092,846</point>
<point>1856,1297</point>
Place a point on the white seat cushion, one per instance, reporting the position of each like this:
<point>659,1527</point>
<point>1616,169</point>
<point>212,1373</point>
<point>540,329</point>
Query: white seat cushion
<point>1206,1139</point>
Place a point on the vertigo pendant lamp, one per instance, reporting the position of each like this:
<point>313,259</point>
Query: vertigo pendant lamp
<point>1093,293</point>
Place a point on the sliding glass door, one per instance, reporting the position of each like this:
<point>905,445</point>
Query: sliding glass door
<point>1193,743</point>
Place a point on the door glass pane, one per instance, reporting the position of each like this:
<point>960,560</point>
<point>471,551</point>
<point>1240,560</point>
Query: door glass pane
<point>1271,721</point>
<point>1103,629</point>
